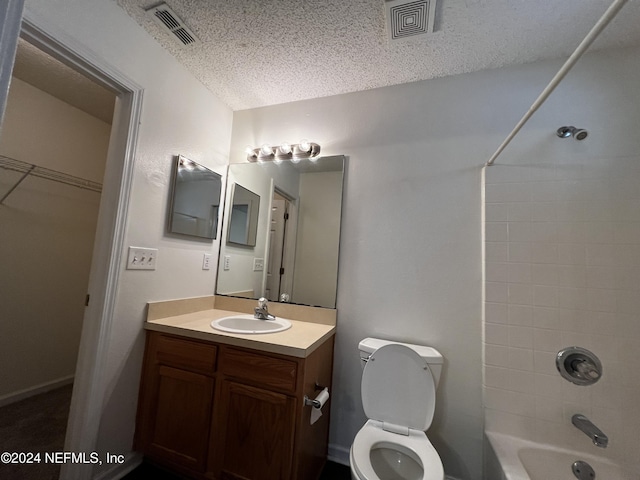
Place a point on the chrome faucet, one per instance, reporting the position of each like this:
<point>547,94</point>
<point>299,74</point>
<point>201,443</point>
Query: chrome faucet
<point>262,310</point>
<point>594,433</point>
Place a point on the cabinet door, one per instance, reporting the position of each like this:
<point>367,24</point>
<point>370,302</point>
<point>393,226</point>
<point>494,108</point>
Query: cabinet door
<point>258,433</point>
<point>181,417</point>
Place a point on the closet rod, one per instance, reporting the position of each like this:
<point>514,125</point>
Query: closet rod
<point>28,169</point>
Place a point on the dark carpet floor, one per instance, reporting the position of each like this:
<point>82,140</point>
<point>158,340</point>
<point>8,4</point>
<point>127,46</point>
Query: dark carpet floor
<point>36,425</point>
<point>332,471</point>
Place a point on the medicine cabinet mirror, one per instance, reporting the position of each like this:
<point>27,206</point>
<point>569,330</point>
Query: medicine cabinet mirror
<point>195,200</point>
<point>294,257</point>
<point>243,218</point>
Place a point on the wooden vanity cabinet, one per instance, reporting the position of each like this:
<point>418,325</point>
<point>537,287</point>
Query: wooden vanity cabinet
<point>215,411</point>
<point>176,400</point>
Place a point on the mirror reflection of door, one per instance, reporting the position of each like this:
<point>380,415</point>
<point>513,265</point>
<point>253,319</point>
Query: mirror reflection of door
<point>243,220</point>
<point>279,271</point>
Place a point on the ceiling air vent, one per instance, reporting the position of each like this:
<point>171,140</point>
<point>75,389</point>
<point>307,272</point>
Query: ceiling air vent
<point>171,23</point>
<point>407,19</point>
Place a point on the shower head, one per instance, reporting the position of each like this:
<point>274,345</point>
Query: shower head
<point>580,134</point>
<point>577,133</point>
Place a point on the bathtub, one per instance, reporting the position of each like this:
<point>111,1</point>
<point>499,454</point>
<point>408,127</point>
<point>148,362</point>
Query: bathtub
<point>512,458</point>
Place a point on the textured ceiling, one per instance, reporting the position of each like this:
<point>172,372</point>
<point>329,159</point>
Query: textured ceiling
<point>257,53</point>
<point>37,68</point>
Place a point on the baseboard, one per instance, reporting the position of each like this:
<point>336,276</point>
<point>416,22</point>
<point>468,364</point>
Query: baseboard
<point>119,470</point>
<point>35,390</point>
<point>338,454</point>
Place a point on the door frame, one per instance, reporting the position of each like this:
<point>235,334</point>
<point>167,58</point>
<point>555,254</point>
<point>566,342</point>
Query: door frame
<point>90,384</point>
<point>10,15</point>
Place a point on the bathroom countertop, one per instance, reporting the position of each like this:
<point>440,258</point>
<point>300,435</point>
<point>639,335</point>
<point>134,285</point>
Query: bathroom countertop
<point>298,341</point>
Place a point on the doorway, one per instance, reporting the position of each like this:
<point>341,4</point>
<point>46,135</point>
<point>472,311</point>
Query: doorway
<point>89,387</point>
<point>53,150</point>
<point>281,241</point>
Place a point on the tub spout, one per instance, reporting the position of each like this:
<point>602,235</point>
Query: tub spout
<point>590,430</point>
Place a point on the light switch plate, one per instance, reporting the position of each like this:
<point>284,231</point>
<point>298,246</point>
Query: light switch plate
<point>141,258</point>
<point>227,262</point>
<point>258,264</point>
<point>206,261</point>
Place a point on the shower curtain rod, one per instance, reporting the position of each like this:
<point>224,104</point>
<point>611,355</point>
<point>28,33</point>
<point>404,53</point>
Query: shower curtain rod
<point>30,169</point>
<point>611,12</point>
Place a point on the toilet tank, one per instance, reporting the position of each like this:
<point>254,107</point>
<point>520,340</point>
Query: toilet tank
<point>430,354</point>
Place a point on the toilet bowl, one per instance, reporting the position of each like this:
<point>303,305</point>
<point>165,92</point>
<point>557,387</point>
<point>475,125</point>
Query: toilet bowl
<point>398,396</point>
<point>378,454</point>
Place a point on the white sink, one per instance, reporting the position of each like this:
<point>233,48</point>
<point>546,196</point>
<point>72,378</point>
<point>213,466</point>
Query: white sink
<point>250,324</point>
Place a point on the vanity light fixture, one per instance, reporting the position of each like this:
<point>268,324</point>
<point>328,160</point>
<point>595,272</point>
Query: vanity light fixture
<point>286,151</point>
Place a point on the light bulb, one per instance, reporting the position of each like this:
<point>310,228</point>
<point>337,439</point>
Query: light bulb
<point>266,150</point>
<point>285,149</point>
<point>304,146</point>
<point>248,150</point>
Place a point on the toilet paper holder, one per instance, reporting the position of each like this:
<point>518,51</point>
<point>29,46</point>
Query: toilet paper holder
<point>315,403</point>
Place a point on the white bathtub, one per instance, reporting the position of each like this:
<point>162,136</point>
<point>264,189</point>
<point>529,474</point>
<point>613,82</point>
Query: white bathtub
<point>513,458</point>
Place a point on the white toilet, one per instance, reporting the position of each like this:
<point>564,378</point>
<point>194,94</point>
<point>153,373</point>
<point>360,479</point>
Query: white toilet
<point>398,395</point>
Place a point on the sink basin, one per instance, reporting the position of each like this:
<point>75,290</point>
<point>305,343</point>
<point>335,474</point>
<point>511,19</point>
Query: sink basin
<point>249,324</point>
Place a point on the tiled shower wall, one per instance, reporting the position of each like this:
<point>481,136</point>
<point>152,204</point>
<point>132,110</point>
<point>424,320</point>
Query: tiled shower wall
<point>562,268</point>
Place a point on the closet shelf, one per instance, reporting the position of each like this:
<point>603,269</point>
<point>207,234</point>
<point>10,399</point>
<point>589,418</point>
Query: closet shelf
<point>29,169</point>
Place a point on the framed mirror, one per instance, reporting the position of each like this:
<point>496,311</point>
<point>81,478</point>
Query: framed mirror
<point>295,254</point>
<point>243,218</point>
<point>195,200</point>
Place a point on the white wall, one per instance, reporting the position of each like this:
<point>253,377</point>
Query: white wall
<point>46,237</point>
<point>179,117</point>
<point>563,264</point>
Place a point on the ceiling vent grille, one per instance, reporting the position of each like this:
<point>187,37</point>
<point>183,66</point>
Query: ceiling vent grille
<point>172,24</point>
<point>407,19</point>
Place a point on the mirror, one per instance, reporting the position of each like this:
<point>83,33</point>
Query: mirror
<point>195,200</point>
<point>295,254</point>
<point>243,218</point>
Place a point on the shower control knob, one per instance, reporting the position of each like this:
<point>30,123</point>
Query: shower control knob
<point>579,365</point>
<point>586,369</point>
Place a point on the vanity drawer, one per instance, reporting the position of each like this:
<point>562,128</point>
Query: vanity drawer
<point>186,354</point>
<point>259,368</point>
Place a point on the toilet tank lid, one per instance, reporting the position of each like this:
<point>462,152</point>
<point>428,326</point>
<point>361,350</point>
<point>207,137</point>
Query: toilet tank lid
<point>430,354</point>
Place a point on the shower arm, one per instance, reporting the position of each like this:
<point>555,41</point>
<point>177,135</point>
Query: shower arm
<point>611,12</point>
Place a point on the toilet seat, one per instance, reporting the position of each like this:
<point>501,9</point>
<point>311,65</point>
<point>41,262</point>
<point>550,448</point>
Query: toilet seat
<point>416,445</point>
<point>392,369</point>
